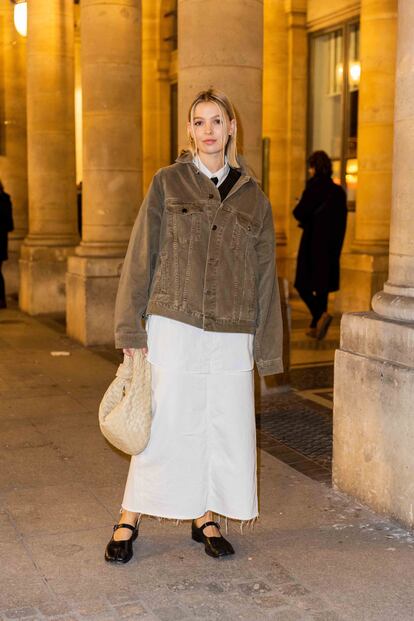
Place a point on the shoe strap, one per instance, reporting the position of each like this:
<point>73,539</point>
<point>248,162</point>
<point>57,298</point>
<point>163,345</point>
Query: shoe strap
<point>203,526</point>
<point>124,526</point>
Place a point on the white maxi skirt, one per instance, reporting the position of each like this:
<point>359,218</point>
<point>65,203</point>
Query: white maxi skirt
<point>202,451</point>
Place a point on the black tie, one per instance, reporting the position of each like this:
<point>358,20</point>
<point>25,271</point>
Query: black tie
<point>214,180</point>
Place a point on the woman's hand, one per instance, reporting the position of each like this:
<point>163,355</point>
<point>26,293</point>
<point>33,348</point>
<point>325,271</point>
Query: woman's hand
<point>130,352</point>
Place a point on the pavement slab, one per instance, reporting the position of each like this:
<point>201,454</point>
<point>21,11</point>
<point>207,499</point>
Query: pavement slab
<point>313,555</point>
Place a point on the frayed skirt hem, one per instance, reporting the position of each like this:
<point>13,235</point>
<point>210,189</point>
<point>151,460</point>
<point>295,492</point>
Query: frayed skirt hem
<point>249,522</point>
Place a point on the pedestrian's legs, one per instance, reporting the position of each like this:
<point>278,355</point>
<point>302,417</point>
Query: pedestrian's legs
<point>2,289</point>
<point>323,317</point>
<point>309,298</point>
<point>320,305</point>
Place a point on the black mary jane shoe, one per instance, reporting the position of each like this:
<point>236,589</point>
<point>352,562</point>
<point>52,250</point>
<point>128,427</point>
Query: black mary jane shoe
<point>121,551</point>
<point>214,546</point>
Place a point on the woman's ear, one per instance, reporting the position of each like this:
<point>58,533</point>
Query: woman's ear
<point>233,127</point>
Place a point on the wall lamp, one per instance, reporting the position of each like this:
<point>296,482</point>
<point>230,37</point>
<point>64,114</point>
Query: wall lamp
<point>20,16</point>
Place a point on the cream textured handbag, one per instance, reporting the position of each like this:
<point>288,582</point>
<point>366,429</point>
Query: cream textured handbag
<point>125,410</point>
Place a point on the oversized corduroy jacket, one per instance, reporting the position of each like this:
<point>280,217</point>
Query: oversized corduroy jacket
<point>202,261</point>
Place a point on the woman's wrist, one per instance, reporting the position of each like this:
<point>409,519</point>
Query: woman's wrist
<point>129,351</point>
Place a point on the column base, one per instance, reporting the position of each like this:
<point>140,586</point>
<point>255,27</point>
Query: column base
<point>393,304</point>
<point>373,414</point>
<point>362,275</point>
<point>91,284</point>
<point>42,278</point>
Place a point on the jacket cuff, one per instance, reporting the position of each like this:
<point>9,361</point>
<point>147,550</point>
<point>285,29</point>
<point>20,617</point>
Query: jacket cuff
<point>131,341</point>
<point>269,367</point>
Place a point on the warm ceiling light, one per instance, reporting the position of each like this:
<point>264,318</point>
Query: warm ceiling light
<point>352,166</point>
<point>20,17</point>
<point>354,72</point>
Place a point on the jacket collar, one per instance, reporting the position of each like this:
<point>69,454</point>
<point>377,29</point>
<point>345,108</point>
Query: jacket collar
<point>220,175</point>
<point>186,157</point>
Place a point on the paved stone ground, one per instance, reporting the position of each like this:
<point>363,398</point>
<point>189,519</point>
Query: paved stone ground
<point>314,554</point>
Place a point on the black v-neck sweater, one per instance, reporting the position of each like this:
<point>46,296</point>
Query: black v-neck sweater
<point>225,187</point>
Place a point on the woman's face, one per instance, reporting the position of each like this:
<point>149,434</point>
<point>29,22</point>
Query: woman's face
<point>210,135</point>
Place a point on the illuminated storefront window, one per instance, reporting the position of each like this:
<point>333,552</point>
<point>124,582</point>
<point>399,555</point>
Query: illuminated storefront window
<point>333,102</point>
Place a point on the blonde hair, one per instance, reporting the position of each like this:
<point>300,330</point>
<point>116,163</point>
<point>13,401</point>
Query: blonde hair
<point>226,110</point>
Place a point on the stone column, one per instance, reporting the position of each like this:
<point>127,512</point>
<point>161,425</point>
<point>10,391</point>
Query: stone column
<point>111,89</point>
<point>375,124</point>
<point>221,45</point>
<point>296,120</point>
<point>153,129</point>
<point>78,98</point>
<point>396,301</point>
<point>275,66</point>
<point>51,156</point>
<point>13,152</point>
<point>365,270</point>
<point>374,370</point>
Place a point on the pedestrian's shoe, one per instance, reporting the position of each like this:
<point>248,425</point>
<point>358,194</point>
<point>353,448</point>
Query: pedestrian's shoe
<point>121,551</point>
<point>214,546</point>
<point>311,332</point>
<point>323,325</point>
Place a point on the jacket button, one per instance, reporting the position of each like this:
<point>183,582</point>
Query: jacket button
<point>184,210</point>
<point>211,195</point>
<point>214,227</point>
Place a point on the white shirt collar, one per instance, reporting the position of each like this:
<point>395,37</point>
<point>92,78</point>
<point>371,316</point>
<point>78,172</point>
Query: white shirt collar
<point>220,174</point>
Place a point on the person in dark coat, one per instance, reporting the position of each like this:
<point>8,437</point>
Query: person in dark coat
<point>322,214</point>
<point>6,225</point>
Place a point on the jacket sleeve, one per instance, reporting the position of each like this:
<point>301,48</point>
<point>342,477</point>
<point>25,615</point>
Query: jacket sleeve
<point>305,208</point>
<point>137,271</point>
<point>268,342</point>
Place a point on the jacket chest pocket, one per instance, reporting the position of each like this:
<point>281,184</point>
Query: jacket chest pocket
<point>245,231</point>
<point>184,220</point>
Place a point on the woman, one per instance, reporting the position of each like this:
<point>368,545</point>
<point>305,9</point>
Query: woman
<point>322,214</point>
<point>200,267</point>
<point>6,226</point>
